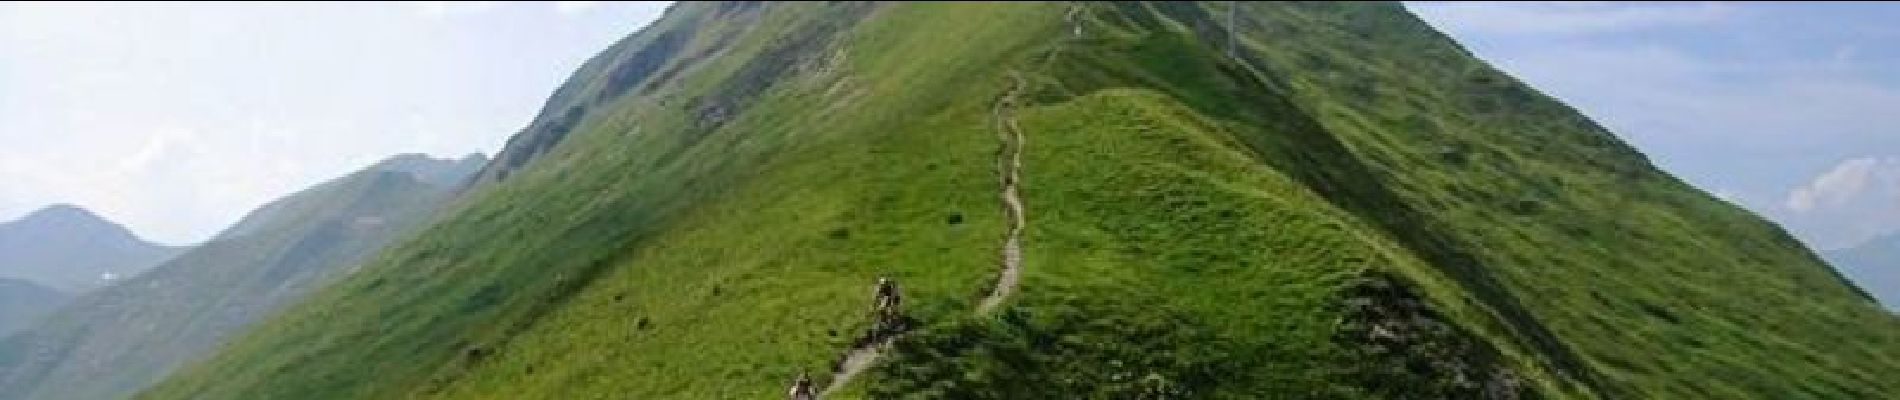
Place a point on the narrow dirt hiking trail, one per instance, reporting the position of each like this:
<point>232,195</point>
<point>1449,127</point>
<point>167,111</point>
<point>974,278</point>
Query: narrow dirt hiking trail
<point>856,361</point>
<point>1009,161</point>
<point>1009,164</point>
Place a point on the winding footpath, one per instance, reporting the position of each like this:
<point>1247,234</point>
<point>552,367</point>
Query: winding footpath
<point>1009,163</point>
<point>855,362</point>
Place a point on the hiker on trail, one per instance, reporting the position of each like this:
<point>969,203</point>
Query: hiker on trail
<point>887,297</point>
<point>802,388</point>
<point>885,304</point>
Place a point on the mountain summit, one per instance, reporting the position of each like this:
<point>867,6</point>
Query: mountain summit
<point>73,250</point>
<point>1077,200</point>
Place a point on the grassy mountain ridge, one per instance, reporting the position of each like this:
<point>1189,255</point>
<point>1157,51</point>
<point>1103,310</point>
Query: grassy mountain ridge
<point>112,342</point>
<point>1224,200</point>
<point>420,167</point>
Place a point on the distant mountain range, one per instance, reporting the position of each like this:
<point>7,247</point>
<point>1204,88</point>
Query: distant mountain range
<point>71,249</point>
<point>114,340</point>
<point>22,302</point>
<point>1874,266</point>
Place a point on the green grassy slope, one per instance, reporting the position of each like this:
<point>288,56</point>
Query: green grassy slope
<point>1657,289</point>
<point>115,341</point>
<point>1347,206</point>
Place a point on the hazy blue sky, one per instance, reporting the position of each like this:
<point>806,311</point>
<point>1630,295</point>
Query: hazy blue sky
<point>1791,109</point>
<point>177,118</point>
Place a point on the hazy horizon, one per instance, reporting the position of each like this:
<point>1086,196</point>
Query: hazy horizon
<point>175,119</point>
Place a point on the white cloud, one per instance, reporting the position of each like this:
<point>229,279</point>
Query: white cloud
<point>1846,182</point>
<point>1853,201</point>
<point>1539,17</point>
<point>574,7</point>
<point>156,146</point>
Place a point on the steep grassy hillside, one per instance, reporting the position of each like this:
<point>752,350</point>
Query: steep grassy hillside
<point>1875,266</point>
<point>1223,200</point>
<point>73,250</point>
<point>112,342</point>
<point>22,302</point>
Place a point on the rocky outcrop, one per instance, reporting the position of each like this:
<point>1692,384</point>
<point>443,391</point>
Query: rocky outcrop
<point>1411,351</point>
